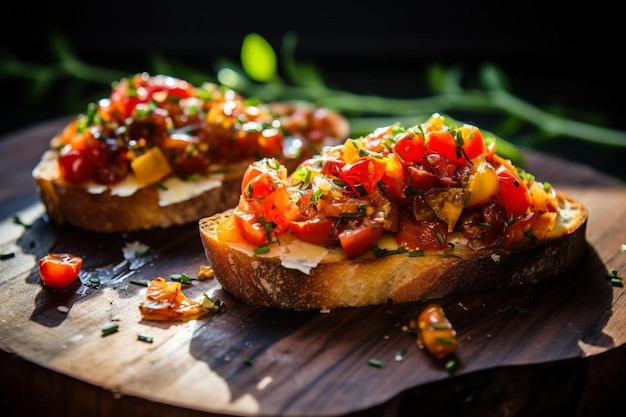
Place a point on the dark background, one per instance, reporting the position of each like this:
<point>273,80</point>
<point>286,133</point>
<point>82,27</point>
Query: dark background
<point>567,58</point>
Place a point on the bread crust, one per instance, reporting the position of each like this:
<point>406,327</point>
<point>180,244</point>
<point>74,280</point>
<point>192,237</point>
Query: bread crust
<point>368,280</point>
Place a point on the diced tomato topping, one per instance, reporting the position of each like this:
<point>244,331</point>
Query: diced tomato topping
<point>513,193</point>
<point>365,173</point>
<point>357,241</point>
<point>421,179</point>
<point>350,194</point>
<point>395,180</point>
<point>251,172</point>
<point>75,167</point>
<point>193,127</point>
<point>474,143</point>
<point>516,232</point>
<point>435,333</point>
<point>59,270</point>
<point>317,231</point>
<point>423,234</point>
<point>442,142</point>
<point>410,148</point>
<point>247,221</point>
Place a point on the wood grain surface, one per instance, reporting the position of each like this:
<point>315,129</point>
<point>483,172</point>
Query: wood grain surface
<point>555,346</point>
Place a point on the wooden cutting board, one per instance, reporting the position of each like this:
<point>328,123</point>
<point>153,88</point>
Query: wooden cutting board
<point>256,361</point>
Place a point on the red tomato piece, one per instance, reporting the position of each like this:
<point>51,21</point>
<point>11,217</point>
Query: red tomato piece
<point>359,240</point>
<point>395,180</point>
<point>513,193</point>
<point>248,224</point>
<point>59,270</point>
<point>421,179</point>
<point>75,167</point>
<point>423,234</point>
<point>260,186</point>
<point>252,172</point>
<point>516,232</point>
<point>317,231</point>
<point>410,148</point>
<point>365,172</point>
<point>442,142</point>
<point>474,143</point>
<point>435,333</point>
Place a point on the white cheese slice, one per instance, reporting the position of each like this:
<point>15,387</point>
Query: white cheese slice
<point>177,190</point>
<point>174,189</point>
<point>295,254</point>
<point>302,256</point>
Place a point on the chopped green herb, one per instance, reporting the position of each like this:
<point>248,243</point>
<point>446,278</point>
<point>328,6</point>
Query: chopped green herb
<point>211,303</point>
<point>18,220</point>
<point>416,253</point>
<point>261,249</point>
<point>375,363</point>
<point>248,361</point>
<point>142,252</point>
<point>530,235</point>
<point>547,186</point>
<point>145,338</point>
<point>193,177</point>
<point>109,328</point>
<point>400,355</point>
<point>467,199</point>
<point>381,252</point>
<point>451,365</point>
<point>446,340</point>
<point>614,279</point>
<point>317,194</point>
<point>182,278</point>
<point>7,254</point>
<point>141,282</point>
<point>268,227</point>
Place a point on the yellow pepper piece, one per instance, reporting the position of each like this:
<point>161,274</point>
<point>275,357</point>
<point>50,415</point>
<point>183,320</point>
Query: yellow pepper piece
<point>151,166</point>
<point>352,151</point>
<point>447,203</point>
<point>483,182</point>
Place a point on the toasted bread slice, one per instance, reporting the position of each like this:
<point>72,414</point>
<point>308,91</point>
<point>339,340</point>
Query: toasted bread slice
<point>161,152</point>
<point>298,275</point>
<point>128,207</point>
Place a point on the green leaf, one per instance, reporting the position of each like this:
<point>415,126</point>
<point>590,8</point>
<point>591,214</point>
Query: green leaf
<point>301,74</point>
<point>258,58</point>
<point>493,78</point>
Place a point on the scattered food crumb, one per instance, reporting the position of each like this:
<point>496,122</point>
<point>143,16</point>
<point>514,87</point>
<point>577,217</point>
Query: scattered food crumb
<point>135,249</point>
<point>205,272</point>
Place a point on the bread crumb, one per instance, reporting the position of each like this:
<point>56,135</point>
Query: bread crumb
<point>495,257</point>
<point>205,272</point>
